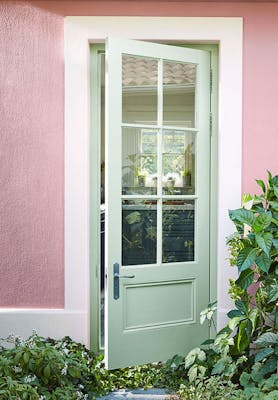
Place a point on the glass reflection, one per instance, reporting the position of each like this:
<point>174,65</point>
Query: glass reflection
<point>139,90</point>
<point>178,221</point>
<point>179,94</point>
<point>178,162</point>
<point>139,232</point>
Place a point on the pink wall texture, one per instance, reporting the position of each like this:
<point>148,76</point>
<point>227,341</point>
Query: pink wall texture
<point>32,132</point>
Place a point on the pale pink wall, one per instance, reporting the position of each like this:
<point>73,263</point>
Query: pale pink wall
<point>31,141</point>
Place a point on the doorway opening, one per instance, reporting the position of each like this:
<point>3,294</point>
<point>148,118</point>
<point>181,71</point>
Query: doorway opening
<point>140,176</point>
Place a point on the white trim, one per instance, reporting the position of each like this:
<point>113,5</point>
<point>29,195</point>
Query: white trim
<point>79,31</point>
<point>53,323</point>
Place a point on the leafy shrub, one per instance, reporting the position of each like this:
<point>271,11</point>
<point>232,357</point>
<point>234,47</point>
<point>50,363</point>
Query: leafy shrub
<point>46,369</point>
<point>246,349</point>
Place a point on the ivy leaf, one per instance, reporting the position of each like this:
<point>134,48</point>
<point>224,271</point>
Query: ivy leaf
<point>245,278</point>
<point>242,215</point>
<point>262,221</point>
<point>264,241</point>
<point>263,262</point>
<point>264,354</point>
<point>246,258</point>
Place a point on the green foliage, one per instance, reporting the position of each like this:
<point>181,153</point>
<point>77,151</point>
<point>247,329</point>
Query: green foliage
<point>212,388</point>
<point>46,369</point>
<point>246,350</point>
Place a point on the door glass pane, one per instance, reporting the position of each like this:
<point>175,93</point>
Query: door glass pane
<point>178,220</point>
<point>139,232</point>
<point>139,161</point>
<point>178,162</point>
<point>139,90</point>
<point>179,94</point>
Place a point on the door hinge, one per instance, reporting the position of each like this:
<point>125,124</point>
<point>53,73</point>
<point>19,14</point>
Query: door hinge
<point>210,79</point>
<point>210,123</point>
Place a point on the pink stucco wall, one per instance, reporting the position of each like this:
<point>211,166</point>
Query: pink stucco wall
<point>31,125</point>
<point>31,157</point>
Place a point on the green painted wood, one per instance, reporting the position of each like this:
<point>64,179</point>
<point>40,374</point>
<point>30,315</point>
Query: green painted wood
<point>95,138</point>
<point>157,314</point>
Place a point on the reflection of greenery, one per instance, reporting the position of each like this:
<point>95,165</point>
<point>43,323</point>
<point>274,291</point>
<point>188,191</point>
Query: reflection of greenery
<point>139,235</point>
<point>178,235</point>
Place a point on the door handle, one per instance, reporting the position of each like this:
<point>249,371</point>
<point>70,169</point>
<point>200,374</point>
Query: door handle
<point>116,279</point>
<point>124,276</point>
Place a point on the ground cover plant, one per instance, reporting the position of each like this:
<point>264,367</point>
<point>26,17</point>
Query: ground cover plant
<point>239,363</point>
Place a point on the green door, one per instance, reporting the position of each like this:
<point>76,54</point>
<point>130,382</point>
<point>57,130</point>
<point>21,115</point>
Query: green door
<point>157,200</point>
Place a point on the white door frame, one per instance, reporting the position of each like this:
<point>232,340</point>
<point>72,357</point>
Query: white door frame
<point>79,33</point>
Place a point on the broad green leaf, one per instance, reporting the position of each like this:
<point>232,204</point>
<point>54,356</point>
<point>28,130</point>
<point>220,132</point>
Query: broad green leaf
<point>245,278</point>
<point>274,221</point>
<point>273,292</point>
<point>192,373</point>
<point>245,379</point>
<point>26,357</point>
<point>270,365</point>
<point>253,317</point>
<point>261,184</point>
<point>246,197</point>
<point>207,342</point>
<point>263,262</point>
<point>17,357</point>
<point>262,221</point>
<point>267,339</point>
<point>241,306</point>
<point>274,205</point>
<point>275,243</point>
<point>264,241</point>
<point>220,366</point>
<point>194,355</point>
<point>275,189</point>
<point>242,215</point>
<point>234,313</point>
<point>242,339</point>
<point>246,258</point>
<point>234,322</point>
<point>46,371</point>
<point>133,217</point>
<point>264,354</point>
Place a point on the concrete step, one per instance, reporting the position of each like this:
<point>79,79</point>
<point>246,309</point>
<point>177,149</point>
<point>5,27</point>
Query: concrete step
<point>138,394</point>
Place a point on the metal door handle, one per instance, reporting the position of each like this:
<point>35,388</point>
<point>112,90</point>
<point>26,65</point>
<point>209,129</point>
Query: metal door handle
<point>116,279</point>
<point>124,276</point>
